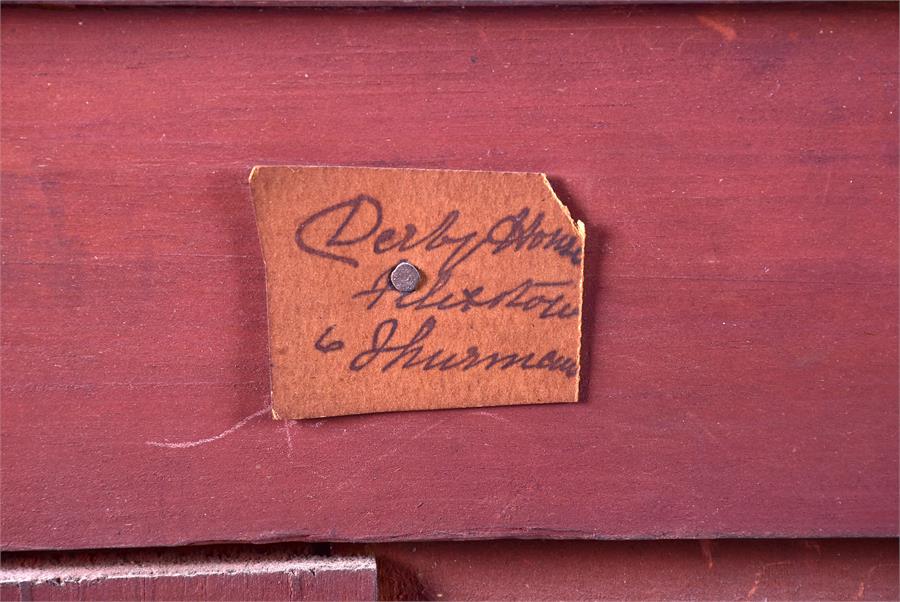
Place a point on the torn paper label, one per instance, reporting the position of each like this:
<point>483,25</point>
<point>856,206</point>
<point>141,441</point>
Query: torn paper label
<point>484,311</point>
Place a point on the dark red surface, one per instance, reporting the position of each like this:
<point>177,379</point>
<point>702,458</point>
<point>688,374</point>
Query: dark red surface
<point>641,570</point>
<point>351,3</point>
<point>737,171</point>
<point>824,569</point>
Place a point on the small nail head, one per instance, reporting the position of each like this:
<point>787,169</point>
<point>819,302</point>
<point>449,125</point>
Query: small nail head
<point>405,277</point>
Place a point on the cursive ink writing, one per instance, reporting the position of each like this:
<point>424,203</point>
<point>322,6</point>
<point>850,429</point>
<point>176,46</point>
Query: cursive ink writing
<point>526,296</point>
<point>349,223</point>
<point>412,354</point>
<point>334,345</point>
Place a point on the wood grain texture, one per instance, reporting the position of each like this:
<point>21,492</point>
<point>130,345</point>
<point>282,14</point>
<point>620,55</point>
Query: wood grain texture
<point>186,575</point>
<point>737,171</point>
<point>641,570</point>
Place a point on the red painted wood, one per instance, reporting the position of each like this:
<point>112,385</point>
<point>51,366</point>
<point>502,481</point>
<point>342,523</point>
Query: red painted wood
<point>187,575</point>
<point>356,3</point>
<point>640,570</point>
<point>736,168</point>
<point>496,570</point>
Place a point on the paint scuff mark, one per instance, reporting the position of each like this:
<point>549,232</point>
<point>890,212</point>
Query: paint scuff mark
<point>726,31</point>
<point>706,550</point>
<point>287,435</point>
<point>861,590</point>
<point>490,415</point>
<point>225,433</point>
<point>759,577</point>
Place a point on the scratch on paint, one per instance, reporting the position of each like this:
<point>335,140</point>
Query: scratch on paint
<point>759,576</point>
<point>225,433</point>
<point>490,415</point>
<point>706,550</point>
<point>287,435</point>
<point>754,587</point>
<point>861,590</point>
<point>726,31</point>
<point>394,450</point>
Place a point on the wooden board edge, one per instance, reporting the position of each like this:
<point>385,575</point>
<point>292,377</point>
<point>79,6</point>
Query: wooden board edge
<point>374,3</point>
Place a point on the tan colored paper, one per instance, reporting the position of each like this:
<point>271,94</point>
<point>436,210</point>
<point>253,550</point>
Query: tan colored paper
<point>495,320</point>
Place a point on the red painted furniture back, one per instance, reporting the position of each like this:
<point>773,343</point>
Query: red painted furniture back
<point>737,171</point>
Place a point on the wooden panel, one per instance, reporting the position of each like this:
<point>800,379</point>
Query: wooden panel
<point>496,570</point>
<point>737,171</point>
<point>193,575</point>
<point>348,3</point>
<point>640,570</point>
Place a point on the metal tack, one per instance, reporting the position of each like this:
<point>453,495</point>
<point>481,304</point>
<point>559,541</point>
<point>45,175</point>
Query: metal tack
<point>405,277</point>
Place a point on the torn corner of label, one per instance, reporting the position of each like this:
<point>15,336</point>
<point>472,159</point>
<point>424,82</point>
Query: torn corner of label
<point>403,289</point>
<point>577,224</point>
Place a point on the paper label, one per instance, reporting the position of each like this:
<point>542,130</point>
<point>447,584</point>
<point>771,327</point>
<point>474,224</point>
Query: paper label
<point>495,318</point>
